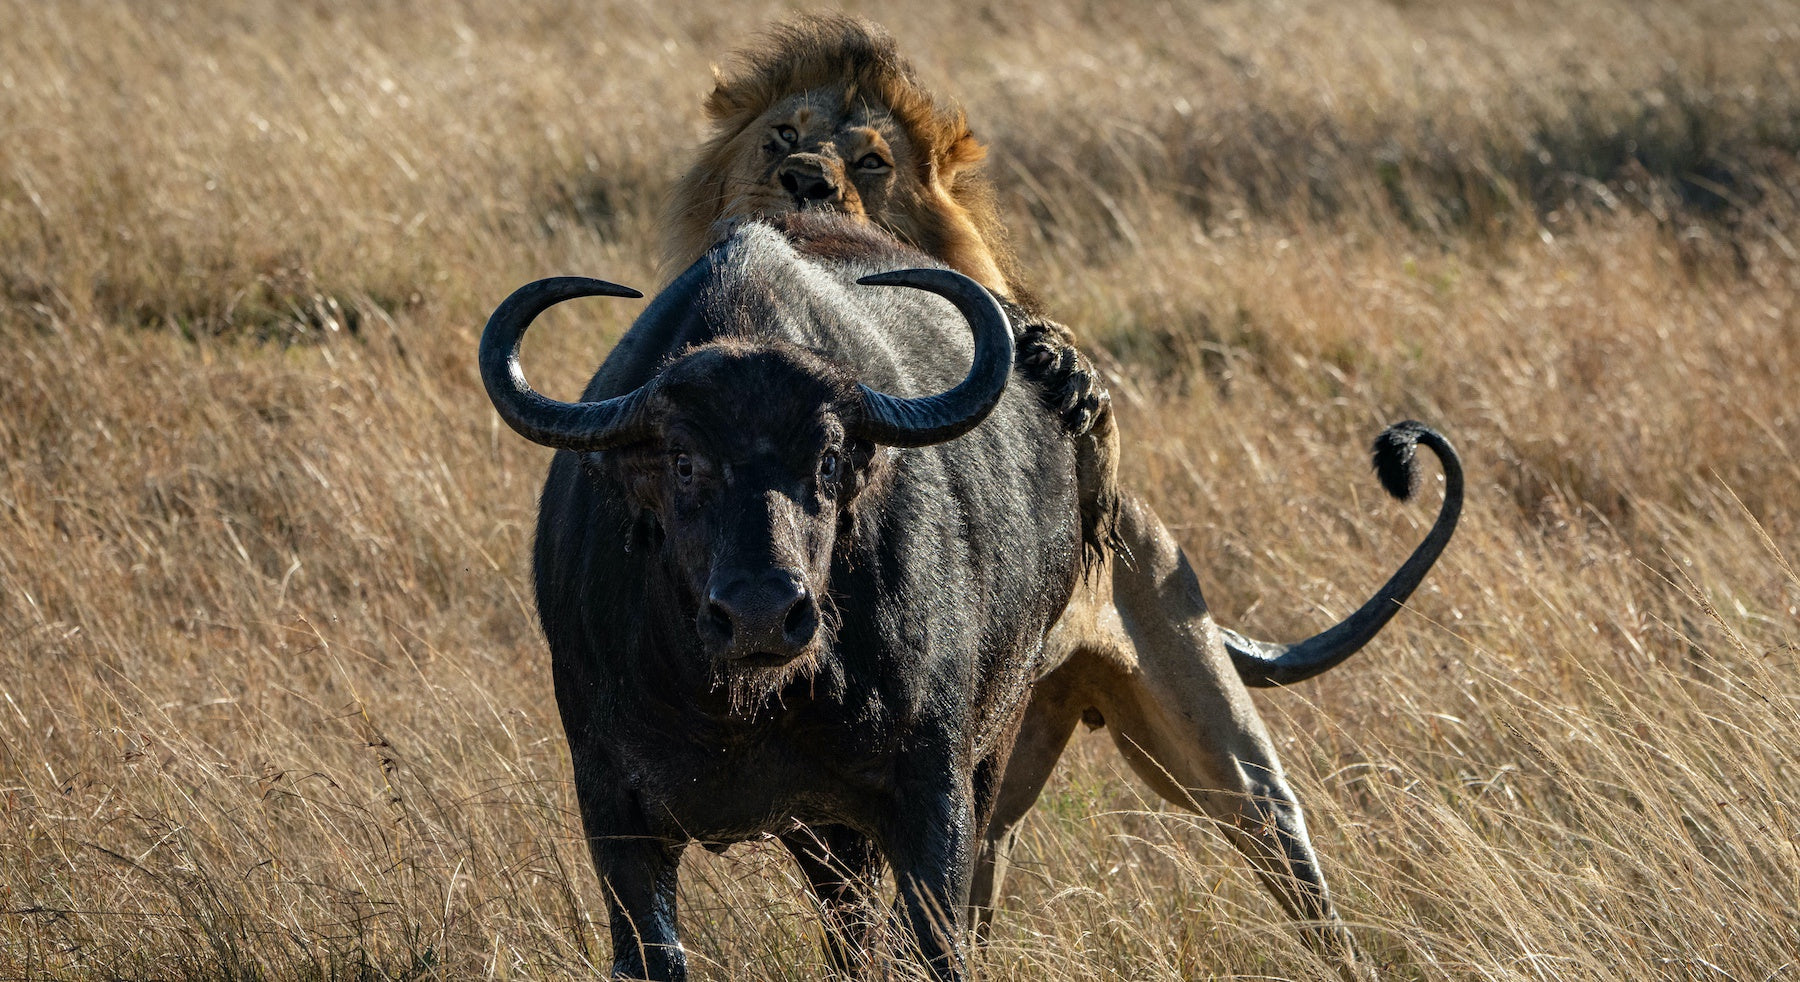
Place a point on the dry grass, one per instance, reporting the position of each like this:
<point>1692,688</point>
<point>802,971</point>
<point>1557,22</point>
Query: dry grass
<point>274,702</point>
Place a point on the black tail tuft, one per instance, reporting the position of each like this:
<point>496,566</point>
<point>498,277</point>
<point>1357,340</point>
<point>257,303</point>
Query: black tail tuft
<point>1261,664</point>
<point>1394,461</point>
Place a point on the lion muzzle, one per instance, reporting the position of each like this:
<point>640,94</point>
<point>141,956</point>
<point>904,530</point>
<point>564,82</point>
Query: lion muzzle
<point>812,180</point>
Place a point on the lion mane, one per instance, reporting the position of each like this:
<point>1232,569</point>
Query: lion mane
<point>946,206</point>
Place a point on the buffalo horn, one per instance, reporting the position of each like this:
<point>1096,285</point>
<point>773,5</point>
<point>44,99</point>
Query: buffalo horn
<point>923,421</point>
<point>578,426</point>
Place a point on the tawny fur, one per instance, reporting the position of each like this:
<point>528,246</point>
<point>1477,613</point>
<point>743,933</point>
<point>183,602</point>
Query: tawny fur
<point>947,207</point>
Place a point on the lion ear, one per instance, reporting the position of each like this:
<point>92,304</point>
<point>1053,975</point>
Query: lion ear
<point>723,101</point>
<point>964,152</point>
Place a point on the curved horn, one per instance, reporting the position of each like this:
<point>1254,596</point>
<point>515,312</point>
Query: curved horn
<point>923,421</point>
<point>1262,664</point>
<point>563,425</point>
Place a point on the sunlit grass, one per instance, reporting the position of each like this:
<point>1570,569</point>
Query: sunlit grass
<point>272,699</point>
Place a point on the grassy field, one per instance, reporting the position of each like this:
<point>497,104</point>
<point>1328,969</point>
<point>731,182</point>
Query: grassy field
<point>275,703</point>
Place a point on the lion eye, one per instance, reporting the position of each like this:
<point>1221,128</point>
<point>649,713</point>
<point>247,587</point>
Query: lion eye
<point>871,161</point>
<point>788,134</point>
<point>683,467</point>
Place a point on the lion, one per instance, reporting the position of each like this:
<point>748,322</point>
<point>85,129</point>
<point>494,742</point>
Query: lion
<point>825,113</point>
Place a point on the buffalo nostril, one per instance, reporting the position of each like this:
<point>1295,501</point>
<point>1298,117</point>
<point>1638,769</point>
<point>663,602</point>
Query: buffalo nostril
<point>802,620</point>
<point>716,623</point>
<point>789,182</point>
<point>773,615</point>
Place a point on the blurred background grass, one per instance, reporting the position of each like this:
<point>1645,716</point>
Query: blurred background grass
<point>275,702</point>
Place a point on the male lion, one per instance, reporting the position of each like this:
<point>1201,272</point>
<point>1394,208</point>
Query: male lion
<point>824,113</point>
<point>827,115</point>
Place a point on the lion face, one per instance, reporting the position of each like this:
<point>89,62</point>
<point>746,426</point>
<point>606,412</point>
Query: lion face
<point>828,115</point>
<point>812,151</point>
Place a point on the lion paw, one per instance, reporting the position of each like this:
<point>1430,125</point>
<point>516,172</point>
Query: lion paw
<point>1072,386</point>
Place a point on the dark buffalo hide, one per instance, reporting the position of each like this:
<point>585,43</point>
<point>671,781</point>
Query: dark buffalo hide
<point>765,620</point>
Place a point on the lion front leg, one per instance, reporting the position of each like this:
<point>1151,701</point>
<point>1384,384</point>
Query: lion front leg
<point>1074,389</point>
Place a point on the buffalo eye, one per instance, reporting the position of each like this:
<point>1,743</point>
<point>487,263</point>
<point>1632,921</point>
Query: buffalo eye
<point>872,161</point>
<point>787,135</point>
<point>683,466</point>
<point>828,467</point>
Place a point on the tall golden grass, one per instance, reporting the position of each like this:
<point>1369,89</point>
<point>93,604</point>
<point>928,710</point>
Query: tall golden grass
<point>275,705</point>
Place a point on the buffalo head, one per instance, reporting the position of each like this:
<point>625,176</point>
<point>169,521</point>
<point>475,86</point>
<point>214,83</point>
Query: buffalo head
<point>745,456</point>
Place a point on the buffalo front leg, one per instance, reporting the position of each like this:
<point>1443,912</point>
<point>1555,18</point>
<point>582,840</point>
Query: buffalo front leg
<point>843,868</point>
<point>639,877</point>
<point>930,842</point>
<point>1186,724</point>
<point>638,874</point>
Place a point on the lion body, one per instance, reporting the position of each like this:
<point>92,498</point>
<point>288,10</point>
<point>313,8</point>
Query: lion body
<point>826,114</point>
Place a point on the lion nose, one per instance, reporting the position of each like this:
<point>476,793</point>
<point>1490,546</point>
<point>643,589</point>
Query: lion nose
<point>808,181</point>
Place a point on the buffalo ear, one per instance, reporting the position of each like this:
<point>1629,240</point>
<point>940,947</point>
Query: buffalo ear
<point>642,468</point>
<point>866,463</point>
<point>638,469</point>
<point>868,467</point>
<point>646,533</point>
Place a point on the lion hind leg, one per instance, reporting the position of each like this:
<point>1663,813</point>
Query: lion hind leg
<point>1187,726</point>
<point>1238,783</point>
<point>1049,721</point>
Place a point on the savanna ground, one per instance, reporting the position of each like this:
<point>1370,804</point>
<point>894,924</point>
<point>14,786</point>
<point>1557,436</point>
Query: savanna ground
<point>275,704</point>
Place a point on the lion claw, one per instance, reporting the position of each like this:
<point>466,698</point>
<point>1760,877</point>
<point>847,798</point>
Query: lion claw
<point>1072,386</point>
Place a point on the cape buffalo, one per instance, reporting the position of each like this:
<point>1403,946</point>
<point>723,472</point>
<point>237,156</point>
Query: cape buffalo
<point>790,578</point>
